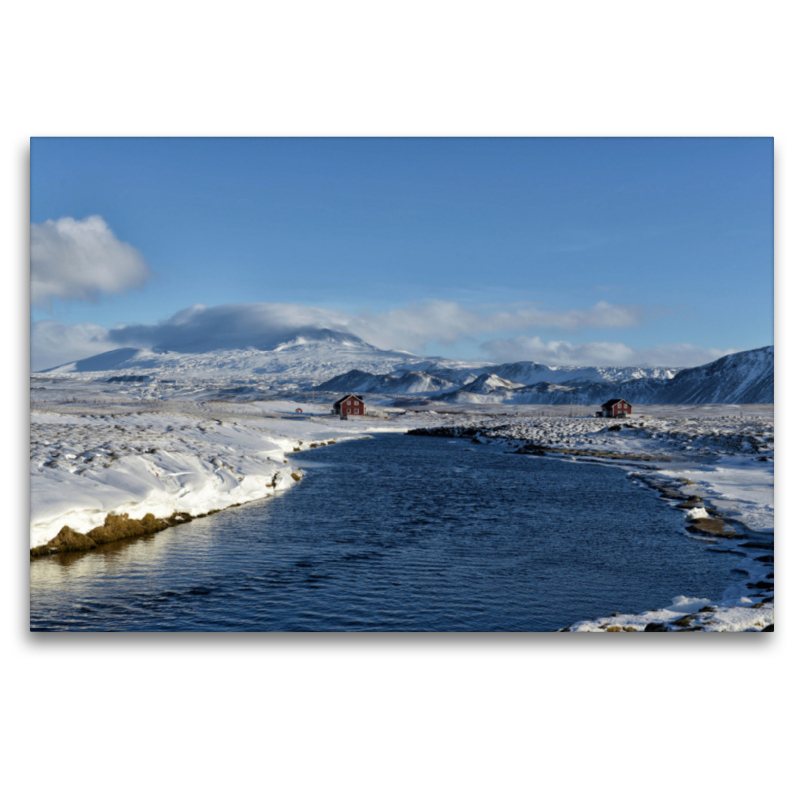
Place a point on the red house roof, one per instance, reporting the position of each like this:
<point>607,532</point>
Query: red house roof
<point>347,397</point>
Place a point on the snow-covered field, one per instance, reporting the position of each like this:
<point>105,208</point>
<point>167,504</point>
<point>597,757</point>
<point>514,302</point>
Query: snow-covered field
<point>98,448</point>
<point>92,454</point>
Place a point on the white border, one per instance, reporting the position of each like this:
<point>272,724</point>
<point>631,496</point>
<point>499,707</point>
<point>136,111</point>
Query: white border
<point>401,715</point>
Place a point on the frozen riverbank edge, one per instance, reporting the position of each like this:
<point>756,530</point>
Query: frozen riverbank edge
<point>177,460</point>
<point>102,473</point>
<point>716,467</point>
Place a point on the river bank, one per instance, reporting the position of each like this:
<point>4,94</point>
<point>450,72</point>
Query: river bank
<point>94,467</point>
<point>717,469</point>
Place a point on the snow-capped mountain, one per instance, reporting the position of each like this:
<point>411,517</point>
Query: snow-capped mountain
<point>746,377</point>
<point>327,360</point>
<point>406,382</point>
<point>488,383</point>
<point>302,360</point>
<point>527,373</point>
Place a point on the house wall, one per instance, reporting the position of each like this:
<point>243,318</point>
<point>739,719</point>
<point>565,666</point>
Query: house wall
<point>352,406</point>
<point>618,408</point>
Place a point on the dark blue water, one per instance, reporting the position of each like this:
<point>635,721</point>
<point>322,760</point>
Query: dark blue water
<point>396,533</point>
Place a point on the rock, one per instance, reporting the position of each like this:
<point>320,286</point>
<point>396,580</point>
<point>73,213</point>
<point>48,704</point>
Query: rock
<point>693,502</point>
<point>655,627</point>
<point>712,527</point>
<point>769,629</point>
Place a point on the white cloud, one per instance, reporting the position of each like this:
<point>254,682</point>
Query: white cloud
<point>78,259</point>
<point>607,354</point>
<point>53,343</point>
<point>423,327</point>
<point>228,327</point>
<point>416,327</point>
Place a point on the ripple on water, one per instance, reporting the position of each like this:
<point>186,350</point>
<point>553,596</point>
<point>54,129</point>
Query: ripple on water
<point>396,533</point>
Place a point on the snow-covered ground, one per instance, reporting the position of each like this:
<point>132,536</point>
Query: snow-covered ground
<point>141,448</point>
<point>92,454</point>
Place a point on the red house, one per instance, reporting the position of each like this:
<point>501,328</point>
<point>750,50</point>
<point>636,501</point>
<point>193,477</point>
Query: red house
<point>615,408</point>
<point>350,404</point>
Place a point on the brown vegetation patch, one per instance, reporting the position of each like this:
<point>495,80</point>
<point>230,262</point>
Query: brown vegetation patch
<point>713,527</point>
<point>114,528</point>
<point>693,502</point>
<point>119,526</point>
<point>65,541</point>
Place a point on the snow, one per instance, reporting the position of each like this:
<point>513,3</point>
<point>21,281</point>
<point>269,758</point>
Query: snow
<point>299,362</point>
<point>338,362</point>
<point>739,487</point>
<point>200,442</point>
<point>90,458</point>
<point>728,619</point>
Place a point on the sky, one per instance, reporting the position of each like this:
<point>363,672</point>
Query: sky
<point>587,251</point>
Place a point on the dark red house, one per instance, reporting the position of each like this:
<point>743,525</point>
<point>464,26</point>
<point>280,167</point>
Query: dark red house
<point>350,404</point>
<point>616,408</point>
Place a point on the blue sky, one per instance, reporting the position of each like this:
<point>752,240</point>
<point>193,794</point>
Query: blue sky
<point>626,250</point>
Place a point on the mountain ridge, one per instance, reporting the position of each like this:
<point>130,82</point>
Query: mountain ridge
<point>322,359</point>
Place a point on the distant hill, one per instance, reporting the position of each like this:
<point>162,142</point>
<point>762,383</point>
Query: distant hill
<point>746,377</point>
<point>302,360</point>
<point>335,361</point>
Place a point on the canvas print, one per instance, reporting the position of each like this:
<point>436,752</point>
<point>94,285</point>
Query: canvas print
<point>402,384</point>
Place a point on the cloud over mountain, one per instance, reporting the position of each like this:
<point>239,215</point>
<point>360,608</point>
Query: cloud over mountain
<point>420,327</point>
<point>417,326</point>
<point>229,327</point>
<point>534,348</point>
<point>80,259</point>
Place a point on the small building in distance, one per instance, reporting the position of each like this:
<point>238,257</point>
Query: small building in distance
<point>350,405</point>
<point>615,408</point>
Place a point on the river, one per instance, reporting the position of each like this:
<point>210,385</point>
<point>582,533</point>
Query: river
<point>396,533</point>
